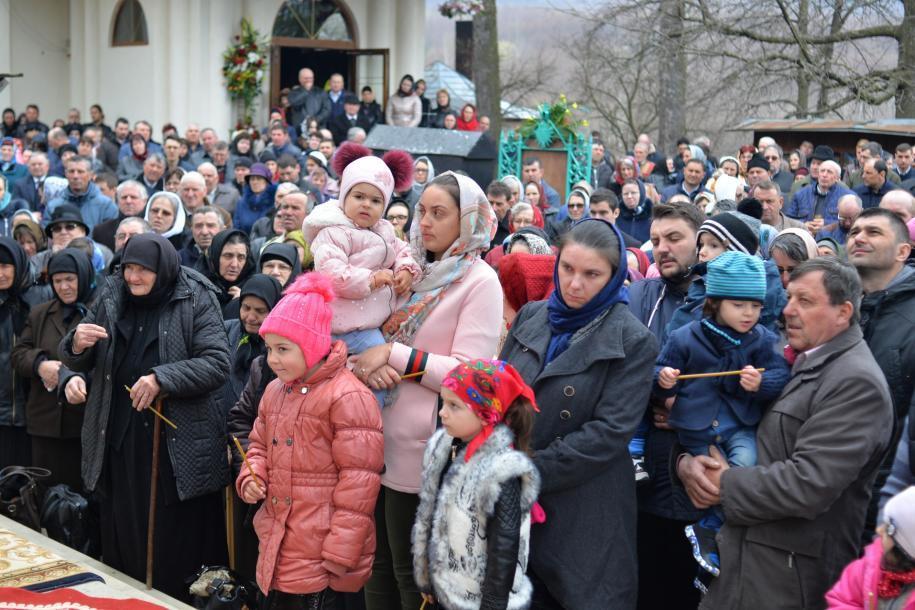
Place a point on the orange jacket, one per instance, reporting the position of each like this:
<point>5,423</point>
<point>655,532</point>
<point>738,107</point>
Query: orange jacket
<point>319,448</point>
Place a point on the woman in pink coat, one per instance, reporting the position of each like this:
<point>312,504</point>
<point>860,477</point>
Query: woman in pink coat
<point>315,454</point>
<point>884,579</point>
<point>453,315</point>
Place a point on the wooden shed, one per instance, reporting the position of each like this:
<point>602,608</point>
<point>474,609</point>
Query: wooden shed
<point>840,135</point>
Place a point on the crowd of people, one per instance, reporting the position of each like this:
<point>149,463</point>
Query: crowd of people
<point>685,384</point>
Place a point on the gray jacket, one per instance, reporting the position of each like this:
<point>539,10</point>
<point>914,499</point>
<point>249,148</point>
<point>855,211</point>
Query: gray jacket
<point>793,521</point>
<point>313,102</point>
<point>194,356</point>
<point>591,399</point>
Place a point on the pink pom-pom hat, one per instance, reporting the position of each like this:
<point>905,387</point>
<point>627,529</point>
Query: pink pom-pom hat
<point>304,316</point>
<point>355,164</point>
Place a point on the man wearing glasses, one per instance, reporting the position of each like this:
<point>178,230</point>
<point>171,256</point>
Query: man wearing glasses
<point>782,177</point>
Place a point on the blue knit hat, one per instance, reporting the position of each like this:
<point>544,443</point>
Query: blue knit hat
<point>737,276</point>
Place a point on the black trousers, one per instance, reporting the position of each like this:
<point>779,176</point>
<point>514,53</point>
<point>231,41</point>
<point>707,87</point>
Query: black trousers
<point>322,600</point>
<point>391,586</point>
<point>666,565</point>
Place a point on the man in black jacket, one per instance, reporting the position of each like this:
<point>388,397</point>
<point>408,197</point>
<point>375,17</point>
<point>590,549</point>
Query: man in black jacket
<point>341,124</point>
<point>878,246</point>
<point>307,100</point>
<point>369,110</point>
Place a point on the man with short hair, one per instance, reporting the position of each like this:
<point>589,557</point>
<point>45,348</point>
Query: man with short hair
<point>144,128</point>
<point>769,195</point>
<point>369,110</point>
<point>849,209</point>
<point>206,222</point>
<point>131,198</point>
<point>903,158</point>
<point>193,191</point>
<point>782,177</point>
<point>221,160</point>
<point>871,150</point>
<point>279,141</point>
<point>899,202</point>
<point>192,138</point>
<point>874,183</point>
<point>57,139</point>
<point>107,183</point>
<point>691,184</point>
<point>293,210</point>
<point>664,509</point>
<point>820,153</point>
<point>327,148</point>
<point>605,205</point>
<point>794,520</point>
<point>336,95</point>
<point>103,150</point>
<point>81,192</point>
<point>29,187</point>
<point>818,203</point>
<point>204,152</point>
<point>121,132</point>
<point>289,170</point>
<point>153,170</point>
<point>32,123</point>
<point>499,196</point>
<point>241,169</point>
<point>356,134</point>
<point>218,194</point>
<point>307,100</point>
<point>172,149</point>
<point>878,247</point>
<point>532,171</point>
<point>601,170</point>
<point>127,228</point>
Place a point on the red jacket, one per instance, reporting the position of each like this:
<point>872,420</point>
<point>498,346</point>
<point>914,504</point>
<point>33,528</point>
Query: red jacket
<point>319,448</point>
<point>857,587</point>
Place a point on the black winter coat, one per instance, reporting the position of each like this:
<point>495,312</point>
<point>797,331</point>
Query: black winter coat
<point>244,411</point>
<point>591,397</point>
<point>194,353</point>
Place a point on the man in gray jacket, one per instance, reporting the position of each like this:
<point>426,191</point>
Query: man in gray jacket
<point>793,521</point>
<point>307,100</point>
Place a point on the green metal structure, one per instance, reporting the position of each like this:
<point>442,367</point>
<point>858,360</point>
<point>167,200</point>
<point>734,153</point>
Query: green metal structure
<point>542,134</point>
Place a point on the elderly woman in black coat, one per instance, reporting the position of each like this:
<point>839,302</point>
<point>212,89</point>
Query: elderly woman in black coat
<point>591,372</point>
<point>53,424</point>
<point>157,329</point>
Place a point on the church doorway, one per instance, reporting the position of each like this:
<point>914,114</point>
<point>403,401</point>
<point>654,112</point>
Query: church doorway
<point>321,35</point>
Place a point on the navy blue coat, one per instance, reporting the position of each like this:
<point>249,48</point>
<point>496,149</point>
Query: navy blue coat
<point>870,199</point>
<point>803,204</point>
<point>699,401</point>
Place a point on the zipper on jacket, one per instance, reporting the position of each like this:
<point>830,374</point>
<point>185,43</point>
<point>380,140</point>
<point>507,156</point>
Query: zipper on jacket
<point>793,564</point>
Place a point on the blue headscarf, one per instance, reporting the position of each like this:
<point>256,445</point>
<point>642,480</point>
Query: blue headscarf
<point>566,321</point>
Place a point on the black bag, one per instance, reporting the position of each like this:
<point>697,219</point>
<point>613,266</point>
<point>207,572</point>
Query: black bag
<point>20,494</point>
<point>70,519</point>
<point>219,588</point>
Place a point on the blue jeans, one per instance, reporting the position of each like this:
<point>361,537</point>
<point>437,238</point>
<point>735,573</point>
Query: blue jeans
<point>637,444</point>
<point>357,341</point>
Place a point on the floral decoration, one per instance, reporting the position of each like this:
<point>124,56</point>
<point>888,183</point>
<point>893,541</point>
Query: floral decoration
<point>244,66</point>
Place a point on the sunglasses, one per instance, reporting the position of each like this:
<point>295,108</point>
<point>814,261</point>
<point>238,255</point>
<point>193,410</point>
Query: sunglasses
<point>576,206</point>
<point>771,158</point>
<point>69,226</point>
<point>397,216</point>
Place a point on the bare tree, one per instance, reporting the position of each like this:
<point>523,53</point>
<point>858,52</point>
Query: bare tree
<point>486,64</point>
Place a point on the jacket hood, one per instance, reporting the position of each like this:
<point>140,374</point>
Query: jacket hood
<point>22,278</point>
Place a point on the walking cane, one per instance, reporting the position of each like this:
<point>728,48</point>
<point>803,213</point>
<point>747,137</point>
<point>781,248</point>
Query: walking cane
<point>151,527</point>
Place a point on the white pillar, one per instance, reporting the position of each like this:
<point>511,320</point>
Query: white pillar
<point>77,51</point>
<point>6,57</point>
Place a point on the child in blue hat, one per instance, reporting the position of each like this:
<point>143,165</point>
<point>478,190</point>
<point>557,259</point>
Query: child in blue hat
<point>722,411</point>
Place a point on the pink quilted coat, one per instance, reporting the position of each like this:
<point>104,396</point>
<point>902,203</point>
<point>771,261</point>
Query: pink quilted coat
<point>319,448</point>
<point>350,255</point>
<point>857,587</point>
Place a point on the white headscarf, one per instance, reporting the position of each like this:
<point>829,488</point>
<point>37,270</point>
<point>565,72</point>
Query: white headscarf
<point>180,214</point>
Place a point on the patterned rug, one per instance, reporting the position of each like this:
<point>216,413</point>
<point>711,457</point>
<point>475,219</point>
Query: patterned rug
<point>67,599</point>
<point>29,566</point>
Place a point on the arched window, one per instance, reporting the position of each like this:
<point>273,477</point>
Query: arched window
<point>129,25</point>
<point>313,20</point>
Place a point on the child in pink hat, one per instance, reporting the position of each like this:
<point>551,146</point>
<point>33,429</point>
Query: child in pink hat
<point>355,245</point>
<point>315,452</point>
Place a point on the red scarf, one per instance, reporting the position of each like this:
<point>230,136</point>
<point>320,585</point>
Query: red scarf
<point>891,583</point>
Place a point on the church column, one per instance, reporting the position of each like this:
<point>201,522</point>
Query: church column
<point>77,52</point>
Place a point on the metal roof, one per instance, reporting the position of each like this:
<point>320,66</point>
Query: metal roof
<point>440,75</point>
<point>901,127</point>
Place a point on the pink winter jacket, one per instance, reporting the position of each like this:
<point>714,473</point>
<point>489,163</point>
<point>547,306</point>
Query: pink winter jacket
<point>319,448</point>
<point>857,587</point>
<point>350,255</point>
<point>465,324</point>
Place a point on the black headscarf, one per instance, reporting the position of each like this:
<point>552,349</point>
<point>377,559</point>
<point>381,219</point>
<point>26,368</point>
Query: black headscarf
<point>211,268</point>
<point>286,253</point>
<point>71,260</point>
<point>250,346</point>
<point>11,302</point>
<point>156,253</point>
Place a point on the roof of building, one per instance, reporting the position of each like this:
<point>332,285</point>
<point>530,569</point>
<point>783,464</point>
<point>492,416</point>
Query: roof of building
<point>902,127</point>
<point>440,75</point>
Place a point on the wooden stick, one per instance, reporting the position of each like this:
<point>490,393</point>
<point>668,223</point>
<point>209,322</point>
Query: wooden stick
<point>704,375</point>
<point>423,607</point>
<point>244,456</point>
<point>412,375</point>
<point>157,412</point>
<point>153,486</point>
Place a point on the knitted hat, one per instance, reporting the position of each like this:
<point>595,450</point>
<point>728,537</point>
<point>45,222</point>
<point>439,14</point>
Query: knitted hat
<point>738,276</point>
<point>899,515</point>
<point>757,160</point>
<point>304,315</point>
<point>357,165</point>
<point>732,231</point>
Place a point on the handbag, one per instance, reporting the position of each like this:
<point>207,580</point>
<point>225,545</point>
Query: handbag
<point>69,518</point>
<point>20,494</point>
<point>220,588</point>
